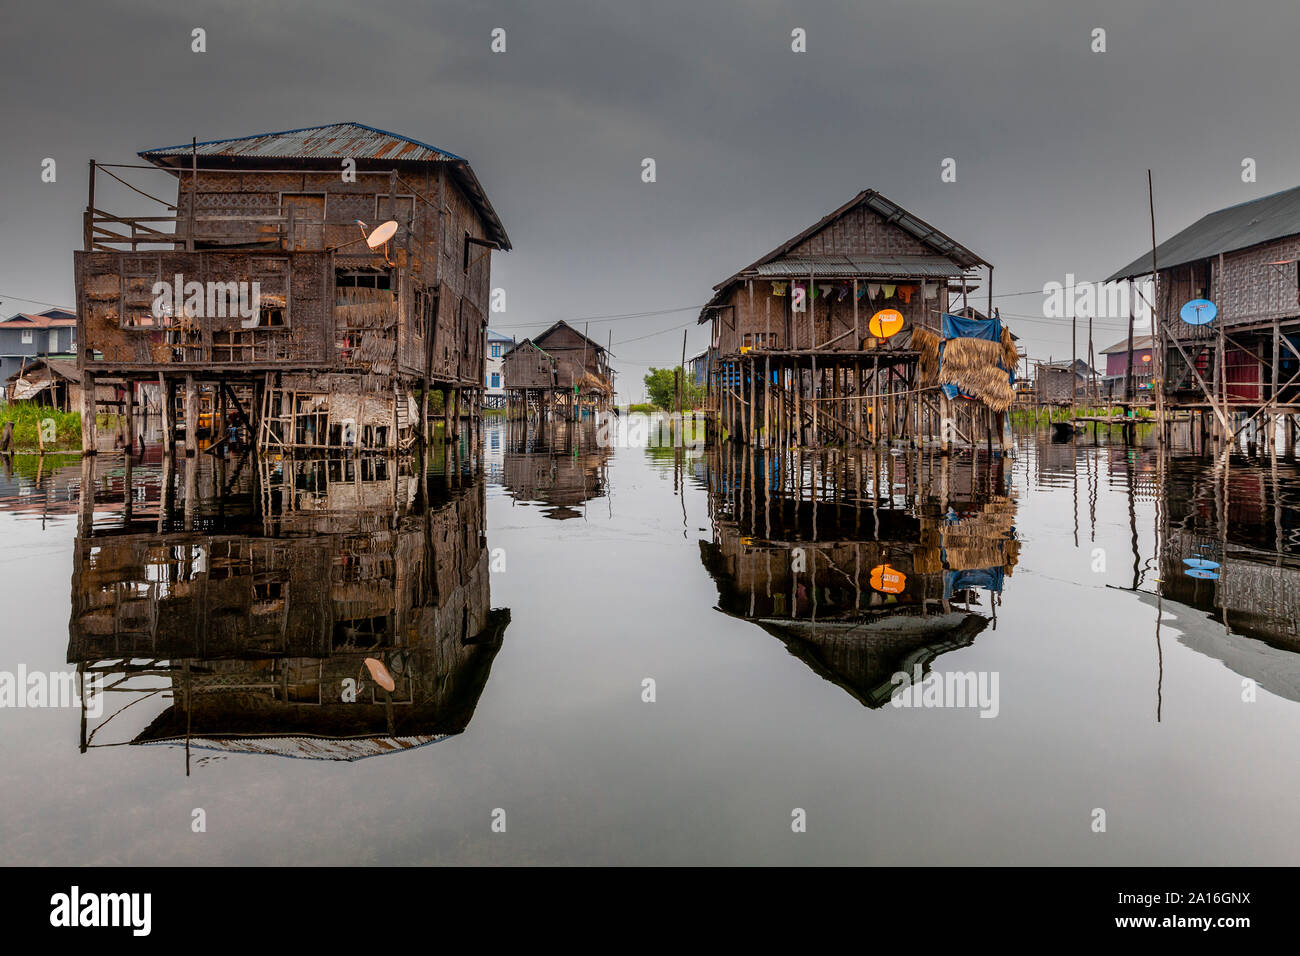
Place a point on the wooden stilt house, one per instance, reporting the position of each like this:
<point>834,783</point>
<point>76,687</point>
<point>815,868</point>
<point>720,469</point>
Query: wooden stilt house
<point>834,336</point>
<point>1240,368</point>
<point>321,281</point>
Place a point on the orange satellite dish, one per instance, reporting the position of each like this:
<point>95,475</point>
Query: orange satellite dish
<point>383,232</point>
<point>888,580</point>
<point>380,674</point>
<point>885,323</point>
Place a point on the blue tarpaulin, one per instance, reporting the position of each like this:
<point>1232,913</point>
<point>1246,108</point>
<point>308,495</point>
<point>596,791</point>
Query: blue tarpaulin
<point>990,579</point>
<point>958,327</point>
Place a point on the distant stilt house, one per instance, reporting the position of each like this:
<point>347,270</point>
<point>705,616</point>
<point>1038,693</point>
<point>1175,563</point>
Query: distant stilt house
<point>582,370</point>
<point>1242,366</point>
<point>319,283</point>
<point>842,334</point>
<point>1066,383</point>
<point>697,368</point>
<point>531,379</point>
<point>1117,366</point>
<point>559,371</point>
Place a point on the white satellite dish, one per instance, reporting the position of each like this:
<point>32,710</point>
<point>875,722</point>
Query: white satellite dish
<point>382,233</point>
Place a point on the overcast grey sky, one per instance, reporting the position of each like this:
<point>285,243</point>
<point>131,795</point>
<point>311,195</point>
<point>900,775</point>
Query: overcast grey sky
<point>752,141</point>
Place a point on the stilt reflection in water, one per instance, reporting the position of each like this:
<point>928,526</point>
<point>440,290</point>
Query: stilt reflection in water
<point>864,563</point>
<point>265,613</point>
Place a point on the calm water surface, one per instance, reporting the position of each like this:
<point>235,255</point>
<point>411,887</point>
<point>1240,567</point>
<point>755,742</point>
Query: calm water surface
<point>520,600</point>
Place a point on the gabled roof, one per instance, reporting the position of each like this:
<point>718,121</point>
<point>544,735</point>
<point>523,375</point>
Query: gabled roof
<point>40,320</point>
<point>1081,367</point>
<point>499,336</point>
<point>532,345</point>
<point>1139,342</point>
<point>556,326</point>
<point>1228,230</point>
<point>331,143</point>
<point>948,253</point>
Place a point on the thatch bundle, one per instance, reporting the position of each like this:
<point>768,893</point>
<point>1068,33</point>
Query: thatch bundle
<point>972,365</point>
<point>927,343</point>
<point>364,309</point>
<point>1009,354</point>
<point>984,539</point>
<point>591,382</point>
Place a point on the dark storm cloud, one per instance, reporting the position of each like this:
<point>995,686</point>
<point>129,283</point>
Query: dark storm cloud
<point>752,142</point>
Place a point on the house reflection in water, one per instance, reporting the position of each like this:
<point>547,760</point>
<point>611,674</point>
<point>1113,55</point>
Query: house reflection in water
<point>251,611</point>
<point>863,563</point>
<point>557,464</point>
<point>1230,550</point>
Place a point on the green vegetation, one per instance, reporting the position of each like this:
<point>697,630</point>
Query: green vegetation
<point>644,408</point>
<point>1043,416</point>
<point>661,389</point>
<point>27,418</point>
<point>29,466</point>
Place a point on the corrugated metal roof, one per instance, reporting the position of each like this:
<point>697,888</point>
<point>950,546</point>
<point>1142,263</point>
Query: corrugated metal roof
<point>335,141</point>
<point>891,212</point>
<point>331,141</point>
<point>883,267</point>
<point>1237,227</point>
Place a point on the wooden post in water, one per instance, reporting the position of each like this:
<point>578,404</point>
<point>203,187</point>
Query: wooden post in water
<point>191,421</point>
<point>89,406</point>
<point>128,417</point>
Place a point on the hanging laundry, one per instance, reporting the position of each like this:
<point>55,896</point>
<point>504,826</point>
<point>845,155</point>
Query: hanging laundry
<point>928,290</point>
<point>778,288</point>
<point>889,291</point>
<point>874,288</point>
<point>863,289</point>
<point>826,291</point>
<point>843,292</point>
<point>905,293</point>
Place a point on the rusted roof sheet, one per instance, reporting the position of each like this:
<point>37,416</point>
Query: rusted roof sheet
<point>43,369</point>
<point>336,141</point>
<point>878,266</point>
<point>27,320</point>
<point>332,141</point>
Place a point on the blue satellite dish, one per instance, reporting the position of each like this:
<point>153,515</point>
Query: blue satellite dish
<point>1198,312</point>
<point>1203,573</point>
<point>1201,564</point>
